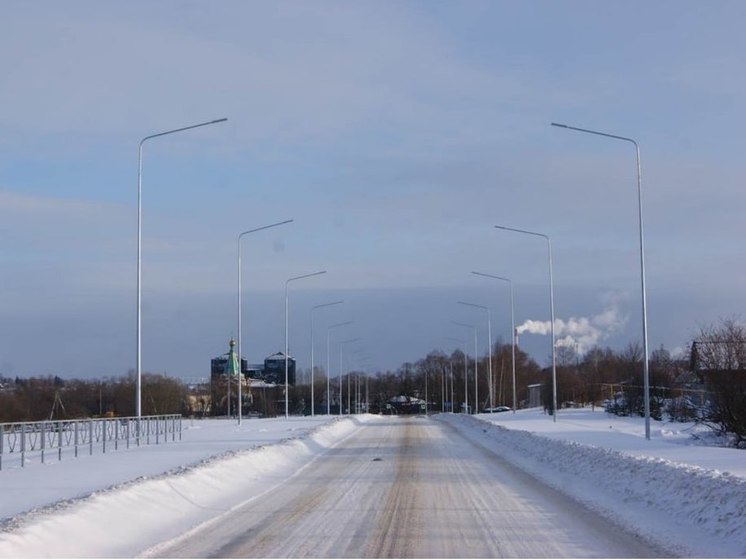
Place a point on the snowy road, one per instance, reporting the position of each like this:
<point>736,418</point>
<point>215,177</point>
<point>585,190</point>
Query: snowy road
<point>408,487</point>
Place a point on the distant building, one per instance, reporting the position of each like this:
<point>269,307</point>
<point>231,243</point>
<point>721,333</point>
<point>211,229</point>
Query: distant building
<point>224,379</point>
<point>262,384</point>
<point>534,395</point>
<point>274,369</point>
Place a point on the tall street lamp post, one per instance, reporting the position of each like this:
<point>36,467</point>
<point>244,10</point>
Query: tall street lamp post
<point>313,413</point>
<point>476,404</point>
<point>551,309</point>
<point>328,366</point>
<point>361,363</point>
<point>646,377</point>
<point>463,343</point>
<point>304,276</point>
<point>240,372</point>
<point>138,396</point>
<point>512,324</point>
<point>489,345</point>
<point>342,343</point>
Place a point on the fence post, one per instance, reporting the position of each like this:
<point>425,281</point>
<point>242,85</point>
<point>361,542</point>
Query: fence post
<point>128,432</point>
<point>103,433</point>
<point>75,429</point>
<point>59,440</point>
<point>23,445</point>
<point>90,437</point>
<point>43,439</point>
<point>157,429</point>
<point>2,437</point>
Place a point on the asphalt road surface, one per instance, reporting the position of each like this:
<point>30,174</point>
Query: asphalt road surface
<point>408,487</point>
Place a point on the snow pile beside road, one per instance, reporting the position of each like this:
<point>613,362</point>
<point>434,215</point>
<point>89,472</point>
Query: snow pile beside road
<point>688,509</point>
<point>122,521</point>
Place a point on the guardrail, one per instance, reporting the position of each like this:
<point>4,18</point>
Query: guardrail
<point>40,438</point>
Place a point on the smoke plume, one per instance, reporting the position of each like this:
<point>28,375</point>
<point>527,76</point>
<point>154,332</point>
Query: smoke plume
<point>580,333</point>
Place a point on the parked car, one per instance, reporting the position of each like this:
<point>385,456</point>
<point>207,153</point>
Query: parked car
<point>497,409</point>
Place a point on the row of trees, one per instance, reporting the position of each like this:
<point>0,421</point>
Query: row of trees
<point>709,386</point>
<point>43,398</point>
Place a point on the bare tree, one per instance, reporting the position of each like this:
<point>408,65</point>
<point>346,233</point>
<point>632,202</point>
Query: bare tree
<point>718,355</point>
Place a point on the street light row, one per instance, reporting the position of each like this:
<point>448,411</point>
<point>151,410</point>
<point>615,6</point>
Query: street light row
<point>138,359</point>
<point>138,400</point>
<point>643,289</point>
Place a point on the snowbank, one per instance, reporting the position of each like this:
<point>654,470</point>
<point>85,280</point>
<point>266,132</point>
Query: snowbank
<point>123,521</point>
<point>687,509</point>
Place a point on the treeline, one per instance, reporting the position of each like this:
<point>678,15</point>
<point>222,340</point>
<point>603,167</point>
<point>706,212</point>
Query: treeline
<point>51,397</point>
<point>708,385</point>
<point>591,379</point>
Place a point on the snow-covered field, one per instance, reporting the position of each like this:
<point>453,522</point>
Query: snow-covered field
<point>674,489</point>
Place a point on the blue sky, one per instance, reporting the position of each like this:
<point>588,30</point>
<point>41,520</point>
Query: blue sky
<point>395,135</point>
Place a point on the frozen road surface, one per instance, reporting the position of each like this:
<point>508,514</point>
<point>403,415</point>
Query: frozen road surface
<point>408,487</point>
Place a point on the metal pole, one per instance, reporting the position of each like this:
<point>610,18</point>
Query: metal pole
<point>551,307</point>
<point>450,364</point>
<point>340,373</point>
<point>287,387</point>
<point>476,378</point>
<point>443,386</point>
<point>138,406</point>
<point>489,345</point>
<point>426,398</point>
<point>328,366</point>
<point>512,324</point>
<point>554,349</point>
<point>489,359</point>
<point>466,395</point>
<point>463,343</point>
<point>512,337</point>
<point>466,383</point>
<point>645,369</point>
<point>240,371</point>
<point>312,363</point>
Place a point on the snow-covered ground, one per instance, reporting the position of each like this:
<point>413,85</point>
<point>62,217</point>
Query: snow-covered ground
<point>675,489</point>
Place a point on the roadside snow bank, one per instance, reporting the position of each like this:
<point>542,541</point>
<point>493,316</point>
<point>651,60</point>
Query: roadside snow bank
<point>690,510</point>
<point>125,520</point>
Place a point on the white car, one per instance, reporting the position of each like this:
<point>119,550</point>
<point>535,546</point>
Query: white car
<point>497,409</point>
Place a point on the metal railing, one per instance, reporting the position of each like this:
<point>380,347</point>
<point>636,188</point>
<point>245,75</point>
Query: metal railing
<point>22,441</point>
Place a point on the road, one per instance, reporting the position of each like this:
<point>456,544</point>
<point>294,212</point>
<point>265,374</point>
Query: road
<point>408,487</point>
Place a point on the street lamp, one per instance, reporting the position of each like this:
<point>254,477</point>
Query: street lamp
<point>313,309</point>
<point>489,345</point>
<point>466,397</point>
<point>463,343</point>
<point>512,324</point>
<point>340,373</point>
<point>138,397</point>
<point>328,367</point>
<point>287,390</point>
<point>240,236</point>
<point>551,309</point>
<point>646,377</point>
<point>357,382</point>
